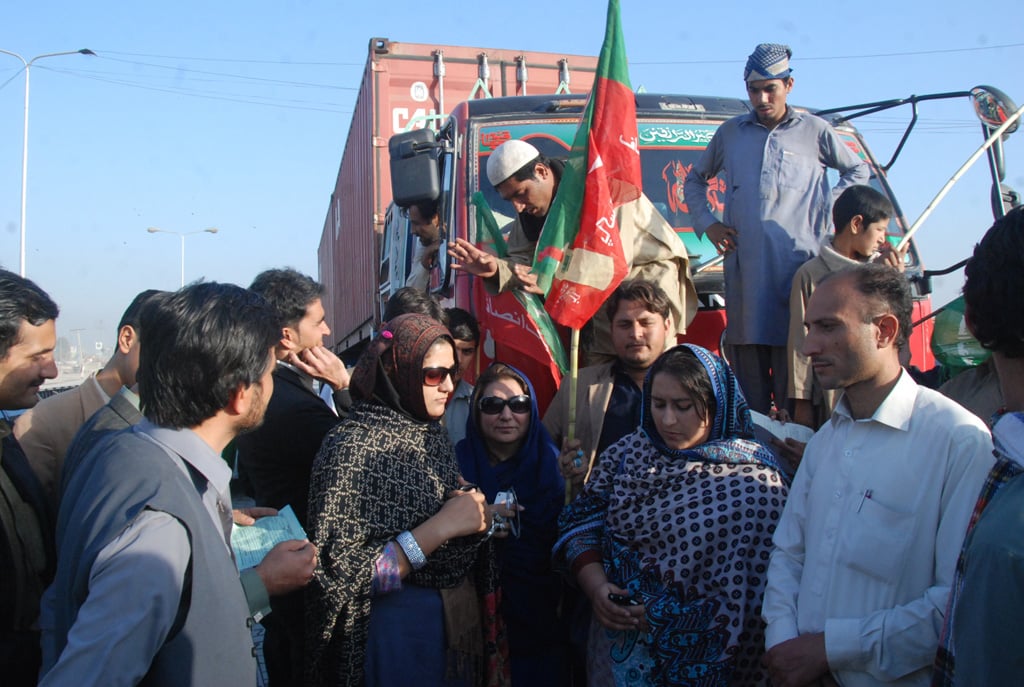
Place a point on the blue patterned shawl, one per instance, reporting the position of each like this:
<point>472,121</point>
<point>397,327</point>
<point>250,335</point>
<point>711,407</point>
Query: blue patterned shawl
<point>689,532</point>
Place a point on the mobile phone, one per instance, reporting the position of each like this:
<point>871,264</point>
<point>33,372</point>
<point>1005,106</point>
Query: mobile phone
<point>623,599</point>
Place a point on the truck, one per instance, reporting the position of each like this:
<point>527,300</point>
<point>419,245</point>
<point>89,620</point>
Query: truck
<point>673,131</point>
<point>408,86</point>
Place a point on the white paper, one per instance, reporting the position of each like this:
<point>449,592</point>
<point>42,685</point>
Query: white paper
<point>765,428</point>
<point>252,542</point>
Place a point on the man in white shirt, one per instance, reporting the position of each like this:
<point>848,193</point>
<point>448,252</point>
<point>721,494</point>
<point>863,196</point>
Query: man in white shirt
<point>866,547</point>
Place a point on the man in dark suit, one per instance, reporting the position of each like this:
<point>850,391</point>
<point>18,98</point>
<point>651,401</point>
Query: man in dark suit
<point>276,459</point>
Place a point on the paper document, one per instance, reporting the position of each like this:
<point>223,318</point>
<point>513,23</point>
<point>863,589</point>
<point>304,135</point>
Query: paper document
<point>765,428</point>
<point>251,543</point>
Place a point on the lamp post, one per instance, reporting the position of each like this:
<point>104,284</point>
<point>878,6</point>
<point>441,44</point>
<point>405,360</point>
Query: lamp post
<point>155,230</point>
<point>24,141</point>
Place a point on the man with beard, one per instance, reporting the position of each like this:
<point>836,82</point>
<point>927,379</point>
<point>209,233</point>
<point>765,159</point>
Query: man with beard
<point>530,180</point>
<point>146,588</point>
<point>424,225</point>
<point>608,395</point>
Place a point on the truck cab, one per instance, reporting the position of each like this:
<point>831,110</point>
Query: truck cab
<point>673,132</point>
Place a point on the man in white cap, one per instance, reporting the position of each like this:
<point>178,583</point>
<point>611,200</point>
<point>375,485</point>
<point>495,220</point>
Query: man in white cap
<point>777,207</point>
<point>529,180</point>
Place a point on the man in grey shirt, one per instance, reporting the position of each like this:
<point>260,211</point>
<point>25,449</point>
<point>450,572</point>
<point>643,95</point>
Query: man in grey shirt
<point>777,205</point>
<point>146,587</point>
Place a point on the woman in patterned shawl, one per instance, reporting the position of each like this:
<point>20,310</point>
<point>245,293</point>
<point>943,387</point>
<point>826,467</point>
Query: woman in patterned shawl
<point>401,561</point>
<point>676,523</point>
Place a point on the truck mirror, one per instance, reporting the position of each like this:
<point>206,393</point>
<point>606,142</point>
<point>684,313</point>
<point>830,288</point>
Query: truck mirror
<point>993,107</point>
<point>415,177</point>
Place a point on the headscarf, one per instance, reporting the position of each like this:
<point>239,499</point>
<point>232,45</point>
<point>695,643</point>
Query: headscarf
<point>732,431</point>
<point>385,469</point>
<point>768,61</point>
<point>530,588</point>
<point>653,516</point>
<point>533,471</point>
<point>390,369</point>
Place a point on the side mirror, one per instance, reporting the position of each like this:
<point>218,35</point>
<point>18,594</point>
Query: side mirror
<point>993,107</point>
<point>415,177</point>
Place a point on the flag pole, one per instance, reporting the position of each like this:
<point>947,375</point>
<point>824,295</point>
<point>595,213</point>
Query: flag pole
<point>574,359</point>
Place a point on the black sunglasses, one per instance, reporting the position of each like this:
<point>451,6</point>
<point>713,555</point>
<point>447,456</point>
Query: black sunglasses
<point>433,376</point>
<point>492,405</point>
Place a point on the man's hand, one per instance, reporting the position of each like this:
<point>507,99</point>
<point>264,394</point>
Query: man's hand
<point>797,662</point>
<point>722,236</point>
<point>896,259</point>
<point>287,567</point>
<point>572,464</point>
<point>527,281</point>
<point>471,259</point>
<point>249,516</point>
<point>321,363</point>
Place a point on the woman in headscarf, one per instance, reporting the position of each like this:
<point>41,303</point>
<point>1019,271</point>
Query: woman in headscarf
<point>671,535</point>
<point>401,561</point>
<point>507,450</point>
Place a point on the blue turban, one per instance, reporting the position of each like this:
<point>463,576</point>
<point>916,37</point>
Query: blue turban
<point>768,61</point>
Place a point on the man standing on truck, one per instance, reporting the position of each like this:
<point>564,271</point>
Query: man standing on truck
<point>529,180</point>
<point>777,206</point>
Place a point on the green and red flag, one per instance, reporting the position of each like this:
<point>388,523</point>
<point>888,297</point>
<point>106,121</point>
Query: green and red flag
<point>580,257</point>
<point>542,344</point>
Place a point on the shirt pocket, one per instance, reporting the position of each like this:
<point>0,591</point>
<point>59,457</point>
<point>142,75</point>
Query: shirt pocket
<point>797,171</point>
<point>876,539</point>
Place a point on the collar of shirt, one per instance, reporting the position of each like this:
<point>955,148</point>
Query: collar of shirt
<point>1008,435</point>
<point>895,411</point>
<point>185,446</point>
<point>307,381</point>
<point>130,396</point>
<point>188,446</point>
<point>99,389</point>
<point>833,260</point>
<point>791,116</point>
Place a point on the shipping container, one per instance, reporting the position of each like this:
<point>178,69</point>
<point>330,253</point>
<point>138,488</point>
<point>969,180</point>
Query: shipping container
<point>407,86</point>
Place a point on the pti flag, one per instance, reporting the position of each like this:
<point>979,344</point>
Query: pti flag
<point>580,257</point>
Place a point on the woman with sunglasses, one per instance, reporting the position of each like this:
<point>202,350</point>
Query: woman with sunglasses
<point>671,535</point>
<point>507,451</point>
<point>403,574</point>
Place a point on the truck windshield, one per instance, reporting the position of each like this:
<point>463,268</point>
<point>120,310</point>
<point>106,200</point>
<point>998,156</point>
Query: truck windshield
<point>668,149</point>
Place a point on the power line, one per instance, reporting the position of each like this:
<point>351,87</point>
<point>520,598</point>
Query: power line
<point>233,76</point>
<point>202,94</point>
<point>847,57</point>
<point>230,59</point>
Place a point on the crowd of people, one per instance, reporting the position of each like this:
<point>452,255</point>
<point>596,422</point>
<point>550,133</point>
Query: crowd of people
<point>458,536</point>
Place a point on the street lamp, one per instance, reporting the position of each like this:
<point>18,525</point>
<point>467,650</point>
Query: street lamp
<point>155,230</point>
<point>24,141</point>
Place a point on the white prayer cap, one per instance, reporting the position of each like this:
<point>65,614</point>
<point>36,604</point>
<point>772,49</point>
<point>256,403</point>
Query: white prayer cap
<point>509,158</point>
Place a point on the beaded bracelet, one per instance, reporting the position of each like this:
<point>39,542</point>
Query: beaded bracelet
<point>412,550</point>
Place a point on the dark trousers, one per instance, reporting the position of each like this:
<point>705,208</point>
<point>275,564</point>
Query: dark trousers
<point>762,372</point>
<point>284,642</point>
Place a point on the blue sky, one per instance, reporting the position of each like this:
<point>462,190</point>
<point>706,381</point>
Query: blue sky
<point>234,115</point>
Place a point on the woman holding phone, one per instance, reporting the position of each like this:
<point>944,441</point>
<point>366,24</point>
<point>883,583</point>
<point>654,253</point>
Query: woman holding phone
<point>671,535</point>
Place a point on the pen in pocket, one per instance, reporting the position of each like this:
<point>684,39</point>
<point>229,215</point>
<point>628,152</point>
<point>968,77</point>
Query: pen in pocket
<point>866,494</point>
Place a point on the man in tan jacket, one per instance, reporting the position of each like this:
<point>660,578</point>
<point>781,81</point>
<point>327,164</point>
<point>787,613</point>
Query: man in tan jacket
<point>608,395</point>
<point>46,431</point>
<point>529,180</point>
